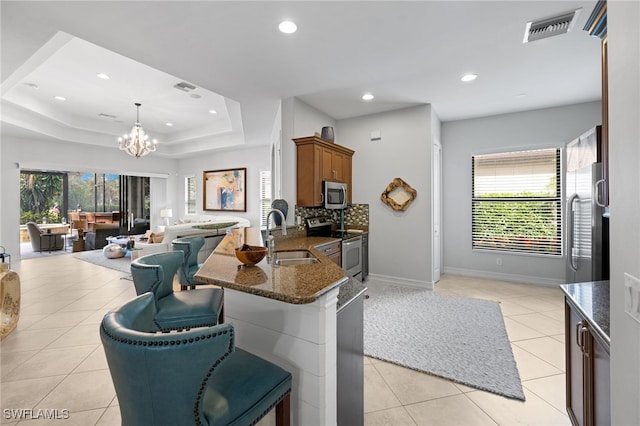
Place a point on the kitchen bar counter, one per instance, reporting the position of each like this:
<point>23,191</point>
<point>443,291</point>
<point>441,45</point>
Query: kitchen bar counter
<point>591,299</point>
<point>286,315</point>
<point>298,285</point>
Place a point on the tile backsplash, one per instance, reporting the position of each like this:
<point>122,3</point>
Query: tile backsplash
<point>356,215</point>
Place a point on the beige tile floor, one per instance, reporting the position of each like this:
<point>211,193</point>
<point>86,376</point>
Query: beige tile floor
<point>54,360</point>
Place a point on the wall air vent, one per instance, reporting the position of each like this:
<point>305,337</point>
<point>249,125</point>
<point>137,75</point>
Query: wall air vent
<point>550,27</point>
<point>184,86</point>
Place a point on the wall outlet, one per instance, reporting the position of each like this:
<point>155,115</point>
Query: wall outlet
<point>499,261</point>
<point>632,296</point>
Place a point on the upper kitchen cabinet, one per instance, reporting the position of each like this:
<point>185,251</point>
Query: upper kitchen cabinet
<point>319,160</point>
<point>596,26</point>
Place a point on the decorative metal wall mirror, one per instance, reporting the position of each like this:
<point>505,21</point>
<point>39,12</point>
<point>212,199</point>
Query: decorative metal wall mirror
<point>398,195</point>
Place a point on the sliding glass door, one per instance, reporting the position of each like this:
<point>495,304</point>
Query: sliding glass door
<point>135,204</point>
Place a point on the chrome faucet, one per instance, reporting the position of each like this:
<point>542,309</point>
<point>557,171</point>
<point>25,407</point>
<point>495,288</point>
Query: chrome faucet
<point>271,242</point>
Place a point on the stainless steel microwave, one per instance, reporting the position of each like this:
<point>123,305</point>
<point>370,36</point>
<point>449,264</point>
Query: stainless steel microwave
<point>334,195</point>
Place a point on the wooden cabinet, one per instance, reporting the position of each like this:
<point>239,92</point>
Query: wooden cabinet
<point>319,160</point>
<point>588,382</point>
<point>333,251</point>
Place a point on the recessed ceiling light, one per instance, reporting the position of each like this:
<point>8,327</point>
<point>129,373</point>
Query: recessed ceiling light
<point>367,97</point>
<point>60,98</point>
<point>287,27</point>
<point>469,77</point>
<point>169,124</point>
<point>103,76</point>
<point>213,111</point>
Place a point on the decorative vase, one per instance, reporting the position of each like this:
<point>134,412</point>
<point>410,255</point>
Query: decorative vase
<point>10,300</point>
<point>327,134</point>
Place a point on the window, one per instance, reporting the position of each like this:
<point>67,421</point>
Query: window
<point>265,197</point>
<point>516,202</point>
<point>190,195</point>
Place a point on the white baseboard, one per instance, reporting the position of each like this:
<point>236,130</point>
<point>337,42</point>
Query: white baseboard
<point>516,278</point>
<point>425,285</point>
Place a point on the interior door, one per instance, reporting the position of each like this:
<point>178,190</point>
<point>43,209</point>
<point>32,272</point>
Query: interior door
<point>436,249</point>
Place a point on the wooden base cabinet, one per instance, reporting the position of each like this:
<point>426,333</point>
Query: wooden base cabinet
<point>319,160</point>
<point>588,380</point>
<point>333,251</point>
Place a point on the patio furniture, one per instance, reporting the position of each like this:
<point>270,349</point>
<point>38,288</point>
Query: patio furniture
<point>41,240</point>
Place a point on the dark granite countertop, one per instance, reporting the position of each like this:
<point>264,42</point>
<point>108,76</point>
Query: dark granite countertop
<point>349,291</point>
<point>298,285</point>
<point>591,299</point>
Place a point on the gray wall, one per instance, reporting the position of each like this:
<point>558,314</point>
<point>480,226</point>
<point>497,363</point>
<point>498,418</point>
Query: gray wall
<point>624,121</point>
<point>400,242</point>
<point>254,159</point>
<point>544,128</point>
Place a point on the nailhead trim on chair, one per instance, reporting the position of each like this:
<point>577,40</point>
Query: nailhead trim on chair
<point>178,328</point>
<point>167,342</point>
<point>203,385</point>
<point>184,341</point>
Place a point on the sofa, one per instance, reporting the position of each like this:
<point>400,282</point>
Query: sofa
<point>97,238</point>
<point>160,241</point>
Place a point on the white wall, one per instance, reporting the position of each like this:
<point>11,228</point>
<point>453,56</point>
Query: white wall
<point>546,128</point>
<point>62,156</point>
<point>399,242</point>
<point>254,159</point>
<point>298,120</point>
<point>624,136</point>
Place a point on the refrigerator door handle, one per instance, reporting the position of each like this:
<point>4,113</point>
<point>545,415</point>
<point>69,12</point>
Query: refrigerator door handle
<point>570,202</point>
<point>596,192</point>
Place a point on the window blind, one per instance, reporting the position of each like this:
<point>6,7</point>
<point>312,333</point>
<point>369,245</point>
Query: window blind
<point>190,195</point>
<point>516,202</point>
<point>265,197</point>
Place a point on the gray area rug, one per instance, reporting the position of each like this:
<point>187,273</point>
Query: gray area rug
<point>457,338</point>
<point>122,264</point>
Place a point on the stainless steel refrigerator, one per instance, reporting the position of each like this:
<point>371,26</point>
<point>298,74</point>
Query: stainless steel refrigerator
<point>586,216</point>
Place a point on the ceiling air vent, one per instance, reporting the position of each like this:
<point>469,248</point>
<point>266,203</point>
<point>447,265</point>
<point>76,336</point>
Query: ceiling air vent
<point>549,27</point>
<point>184,86</point>
<point>102,114</point>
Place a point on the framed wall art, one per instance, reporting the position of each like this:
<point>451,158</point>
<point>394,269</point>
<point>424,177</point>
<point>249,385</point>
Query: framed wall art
<point>225,190</point>
<point>398,195</point>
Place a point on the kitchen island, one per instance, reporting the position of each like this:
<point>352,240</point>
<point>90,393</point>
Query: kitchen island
<point>285,314</point>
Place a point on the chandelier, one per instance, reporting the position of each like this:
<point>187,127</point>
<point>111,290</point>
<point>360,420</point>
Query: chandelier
<point>136,143</point>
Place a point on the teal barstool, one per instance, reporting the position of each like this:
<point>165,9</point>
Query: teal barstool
<point>190,246</point>
<point>194,377</point>
<point>183,309</point>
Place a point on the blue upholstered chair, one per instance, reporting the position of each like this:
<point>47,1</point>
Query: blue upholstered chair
<point>194,377</point>
<point>190,246</point>
<point>176,310</point>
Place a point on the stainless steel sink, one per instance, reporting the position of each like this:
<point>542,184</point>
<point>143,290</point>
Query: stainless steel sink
<point>292,258</point>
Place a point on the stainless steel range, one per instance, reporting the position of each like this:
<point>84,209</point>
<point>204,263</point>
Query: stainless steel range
<point>351,244</point>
